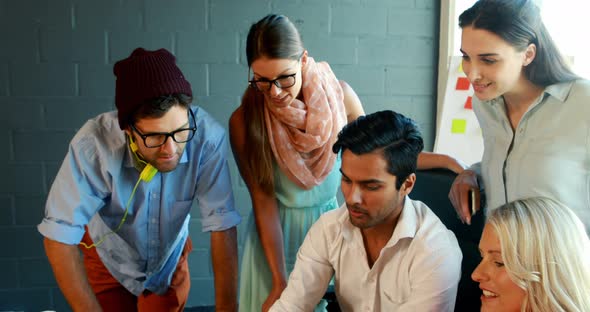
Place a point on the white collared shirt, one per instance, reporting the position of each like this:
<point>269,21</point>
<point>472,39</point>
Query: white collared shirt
<point>417,270</point>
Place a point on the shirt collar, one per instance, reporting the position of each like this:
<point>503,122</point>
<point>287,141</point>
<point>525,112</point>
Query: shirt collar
<point>559,91</point>
<point>407,224</point>
<point>347,227</point>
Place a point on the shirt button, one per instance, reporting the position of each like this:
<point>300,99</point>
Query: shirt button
<point>154,220</point>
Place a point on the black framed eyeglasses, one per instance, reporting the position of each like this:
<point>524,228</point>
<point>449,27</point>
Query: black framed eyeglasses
<point>157,139</point>
<point>263,84</point>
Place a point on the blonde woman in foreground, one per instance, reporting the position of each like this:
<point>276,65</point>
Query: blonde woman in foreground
<point>535,257</point>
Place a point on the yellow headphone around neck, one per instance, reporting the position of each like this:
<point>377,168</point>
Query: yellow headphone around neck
<point>148,171</point>
<point>146,176</point>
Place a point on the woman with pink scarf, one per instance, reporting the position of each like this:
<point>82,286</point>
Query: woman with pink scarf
<point>282,136</point>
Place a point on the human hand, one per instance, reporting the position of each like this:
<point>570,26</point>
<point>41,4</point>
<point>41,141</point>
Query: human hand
<point>274,295</point>
<point>465,182</point>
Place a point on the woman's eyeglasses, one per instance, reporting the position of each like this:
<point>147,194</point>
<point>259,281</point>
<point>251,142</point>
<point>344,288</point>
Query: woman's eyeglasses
<point>282,82</point>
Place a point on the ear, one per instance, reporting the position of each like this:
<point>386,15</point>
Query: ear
<point>128,133</point>
<point>304,57</point>
<point>132,143</point>
<point>408,184</point>
<point>529,54</point>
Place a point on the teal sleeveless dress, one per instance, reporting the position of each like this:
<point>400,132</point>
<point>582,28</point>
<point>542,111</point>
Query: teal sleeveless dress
<point>298,210</point>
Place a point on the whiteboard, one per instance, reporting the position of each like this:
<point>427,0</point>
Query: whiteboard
<point>459,134</point>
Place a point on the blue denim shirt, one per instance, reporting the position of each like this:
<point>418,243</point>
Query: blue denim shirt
<point>96,180</point>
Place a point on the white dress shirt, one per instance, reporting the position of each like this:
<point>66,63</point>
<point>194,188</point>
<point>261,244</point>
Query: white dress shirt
<point>417,270</point>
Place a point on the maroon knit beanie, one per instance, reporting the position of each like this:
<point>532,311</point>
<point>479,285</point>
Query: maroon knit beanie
<point>145,75</point>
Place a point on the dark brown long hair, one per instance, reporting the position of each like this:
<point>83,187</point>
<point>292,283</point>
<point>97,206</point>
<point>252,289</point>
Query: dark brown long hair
<point>273,37</point>
<point>519,23</point>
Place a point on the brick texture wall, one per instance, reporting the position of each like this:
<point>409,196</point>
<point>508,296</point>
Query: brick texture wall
<point>56,59</point>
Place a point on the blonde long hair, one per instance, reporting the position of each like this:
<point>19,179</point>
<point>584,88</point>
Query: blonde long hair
<point>546,252</point>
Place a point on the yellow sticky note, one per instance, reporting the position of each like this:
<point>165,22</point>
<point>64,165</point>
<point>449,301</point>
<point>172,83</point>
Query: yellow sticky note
<point>458,126</point>
<point>461,67</point>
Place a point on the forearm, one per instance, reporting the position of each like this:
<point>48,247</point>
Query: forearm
<point>270,233</point>
<point>427,160</point>
<point>224,255</point>
<point>264,203</point>
<point>70,274</point>
<point>311,275</point>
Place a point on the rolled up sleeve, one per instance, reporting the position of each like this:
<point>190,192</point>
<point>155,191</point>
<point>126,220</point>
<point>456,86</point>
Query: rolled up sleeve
<point>214,188</point>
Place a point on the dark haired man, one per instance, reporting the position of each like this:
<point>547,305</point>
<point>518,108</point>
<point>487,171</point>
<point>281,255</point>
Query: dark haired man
<point>124,192</point>
<point>385,251</point>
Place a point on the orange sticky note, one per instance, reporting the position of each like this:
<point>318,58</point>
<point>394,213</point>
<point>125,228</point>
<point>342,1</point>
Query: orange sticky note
<point>462,83</point>
<point>468,104</point>
<point>458,126</point>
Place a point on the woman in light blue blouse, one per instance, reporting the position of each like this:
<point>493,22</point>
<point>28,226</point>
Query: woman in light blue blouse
<point>533,110</point>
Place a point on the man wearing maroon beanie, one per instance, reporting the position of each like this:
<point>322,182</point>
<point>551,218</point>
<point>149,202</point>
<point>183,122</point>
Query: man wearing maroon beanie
<point>124,192</point>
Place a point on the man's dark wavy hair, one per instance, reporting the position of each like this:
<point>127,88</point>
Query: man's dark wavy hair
<point>396,135</point>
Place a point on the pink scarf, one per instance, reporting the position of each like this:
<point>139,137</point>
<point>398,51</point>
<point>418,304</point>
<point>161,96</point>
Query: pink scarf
<point>301,135</point>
